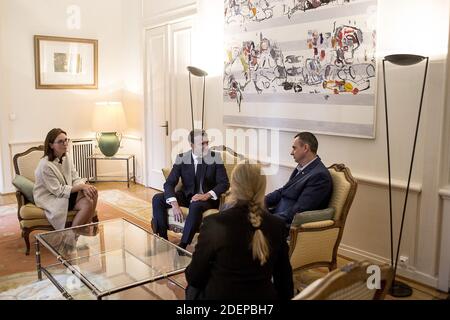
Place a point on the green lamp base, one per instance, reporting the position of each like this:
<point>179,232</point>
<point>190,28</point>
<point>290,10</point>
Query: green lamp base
<point>109,143</point>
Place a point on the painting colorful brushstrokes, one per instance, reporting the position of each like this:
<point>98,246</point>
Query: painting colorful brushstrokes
<point>301,65</point>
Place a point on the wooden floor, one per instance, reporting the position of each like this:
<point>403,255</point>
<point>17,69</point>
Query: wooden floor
<point>420,292</point>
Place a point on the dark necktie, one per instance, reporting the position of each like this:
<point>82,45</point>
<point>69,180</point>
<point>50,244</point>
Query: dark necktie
<point>198,176</point>
<point>294,173</point>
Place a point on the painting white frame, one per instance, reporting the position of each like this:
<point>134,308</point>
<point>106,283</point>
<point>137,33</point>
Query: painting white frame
<point>339,104</point>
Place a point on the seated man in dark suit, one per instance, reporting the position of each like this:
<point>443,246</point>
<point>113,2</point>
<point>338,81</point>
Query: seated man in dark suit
<point>308,188</point>
<point>204,179</point>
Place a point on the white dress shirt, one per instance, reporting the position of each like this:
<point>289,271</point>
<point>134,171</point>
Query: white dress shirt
<point>300,168</point>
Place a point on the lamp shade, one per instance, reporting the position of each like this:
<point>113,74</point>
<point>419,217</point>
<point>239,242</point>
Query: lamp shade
<point>404,59</point>
<point>108,117</point>
<point>197,71</point>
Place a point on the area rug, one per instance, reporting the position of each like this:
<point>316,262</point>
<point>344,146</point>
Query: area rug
<point>7,210</point>
<point>9,225</point>
<point>136,207</point>
<point>25,286</point>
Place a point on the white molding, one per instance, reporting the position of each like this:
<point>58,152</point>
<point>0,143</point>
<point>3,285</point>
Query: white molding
<point>409,272</point>
<point>370,180</point>
<point>130,137</point>
<point>444,254</point>
<point>36,142</point>
<point>170,16</point>
<point>8,190</point>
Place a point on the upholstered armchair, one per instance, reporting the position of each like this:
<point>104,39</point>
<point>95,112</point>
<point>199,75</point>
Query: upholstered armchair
<point>350,283</point>
<point>230,159</point>
<point>315,243</point>
<point>30,216</point>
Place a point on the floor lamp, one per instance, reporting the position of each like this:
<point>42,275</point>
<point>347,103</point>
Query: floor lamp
<point>400,289</point>
<point>198,73</point>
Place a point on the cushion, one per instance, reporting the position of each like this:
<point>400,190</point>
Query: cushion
<point>318,224</point>
<point>312,216</point>
<point>25,186</point>
<point>40,222</point>
<point>30,211</point>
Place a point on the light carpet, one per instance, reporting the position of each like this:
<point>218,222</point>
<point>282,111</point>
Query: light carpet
<point>136,207</point>
<point>25,286</point>
<point>8,210</point>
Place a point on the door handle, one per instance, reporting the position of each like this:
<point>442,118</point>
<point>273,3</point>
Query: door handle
<point>167,128</point>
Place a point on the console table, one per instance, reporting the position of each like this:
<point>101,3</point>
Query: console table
<point>119,157</point>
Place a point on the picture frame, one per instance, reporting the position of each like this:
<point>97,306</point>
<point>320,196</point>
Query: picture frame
<point>65,63</point>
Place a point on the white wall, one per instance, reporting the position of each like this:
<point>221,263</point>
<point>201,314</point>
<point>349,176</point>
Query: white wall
<point>400,30</point>
<point>37,111</point>
<point>157,8</point>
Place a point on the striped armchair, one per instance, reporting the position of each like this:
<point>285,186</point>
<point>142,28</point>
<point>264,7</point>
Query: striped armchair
<point>355,281</point>
<point>315,244</point>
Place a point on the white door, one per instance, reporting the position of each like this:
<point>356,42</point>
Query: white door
<point>168,53</point>
<point>180,37</point>
<point>157,105</point>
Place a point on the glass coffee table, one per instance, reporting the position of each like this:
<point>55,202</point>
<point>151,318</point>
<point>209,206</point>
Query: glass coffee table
<point>109,257</point>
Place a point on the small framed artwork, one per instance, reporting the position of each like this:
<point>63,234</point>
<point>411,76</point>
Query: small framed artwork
<point>65,63</point>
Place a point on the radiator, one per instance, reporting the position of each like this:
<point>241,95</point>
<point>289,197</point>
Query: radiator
<point>81,149</point>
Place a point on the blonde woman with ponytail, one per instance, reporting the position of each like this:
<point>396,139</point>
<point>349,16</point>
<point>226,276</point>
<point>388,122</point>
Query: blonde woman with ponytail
<point>242,251</point>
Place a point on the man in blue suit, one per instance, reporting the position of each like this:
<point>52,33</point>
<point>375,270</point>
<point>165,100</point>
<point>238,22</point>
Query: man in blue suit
<point>204,179</point>
<point>309,186</point>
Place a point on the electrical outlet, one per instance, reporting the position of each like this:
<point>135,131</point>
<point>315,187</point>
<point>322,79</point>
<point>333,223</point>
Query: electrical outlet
<point>403,260</point>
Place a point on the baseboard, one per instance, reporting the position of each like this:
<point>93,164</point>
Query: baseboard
<point>407,272</point>
<point>8,190</point>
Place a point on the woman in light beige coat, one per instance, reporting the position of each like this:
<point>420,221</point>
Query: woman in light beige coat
<point>58,188</point>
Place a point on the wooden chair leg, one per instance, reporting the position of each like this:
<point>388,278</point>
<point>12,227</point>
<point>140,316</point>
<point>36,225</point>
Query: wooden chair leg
<point>26,237</point>
<point>333,265</point>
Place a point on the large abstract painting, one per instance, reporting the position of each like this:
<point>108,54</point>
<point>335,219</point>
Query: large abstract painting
<point>301,65</point>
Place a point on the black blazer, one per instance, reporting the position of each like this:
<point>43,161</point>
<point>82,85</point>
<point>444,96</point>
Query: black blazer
<point>213,173</point>
<point>309,190</point>
<point>223,266</point>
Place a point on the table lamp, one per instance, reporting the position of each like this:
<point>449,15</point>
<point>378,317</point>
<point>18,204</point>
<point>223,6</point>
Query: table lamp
<point>109,122</point>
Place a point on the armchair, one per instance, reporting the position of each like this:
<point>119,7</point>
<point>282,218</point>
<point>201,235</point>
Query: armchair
<point>348,283</point>
<point>315,244</point>
<point>30,216</point>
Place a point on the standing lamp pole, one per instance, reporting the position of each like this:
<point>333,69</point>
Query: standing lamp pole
<point>198,73</point>
<point>400,289</point>
<point>192,107</point>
